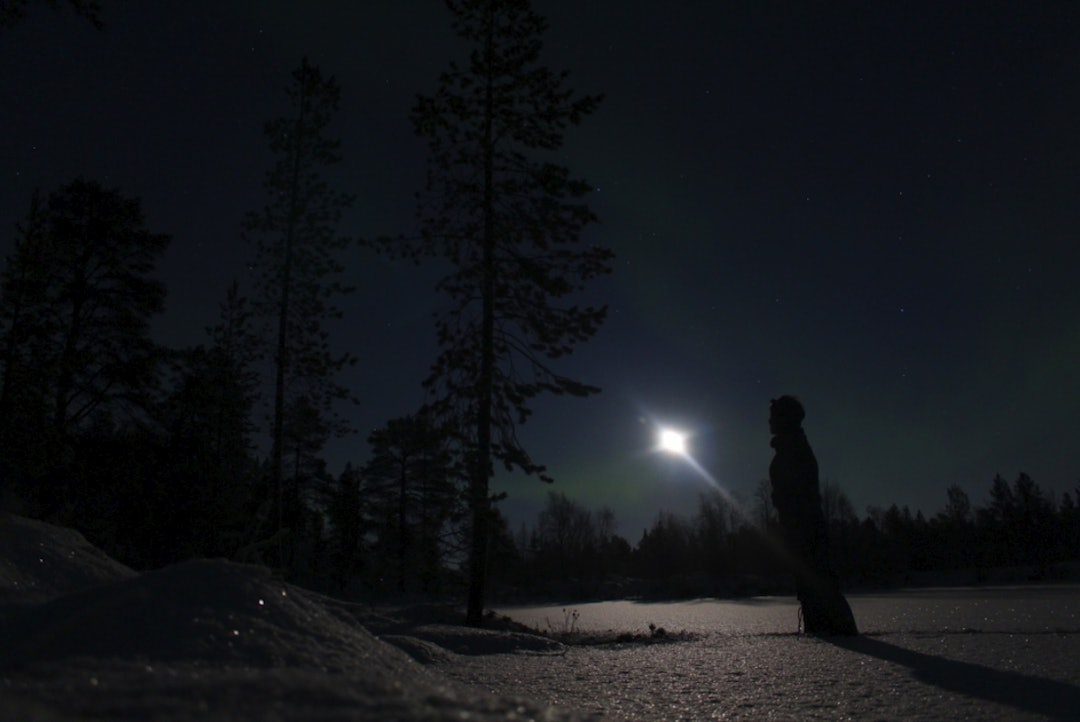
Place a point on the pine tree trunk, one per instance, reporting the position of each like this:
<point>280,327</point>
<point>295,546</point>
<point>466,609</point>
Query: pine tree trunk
<point>402,516</point>
<point>278,450</point>
<point>478,487</point>
<point>65,384</point>
<point>281,360</point>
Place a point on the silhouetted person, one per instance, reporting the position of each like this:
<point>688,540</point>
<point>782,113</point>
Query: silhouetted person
<point>797,498</point>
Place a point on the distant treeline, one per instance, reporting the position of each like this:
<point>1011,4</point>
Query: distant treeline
<point>724,549</point>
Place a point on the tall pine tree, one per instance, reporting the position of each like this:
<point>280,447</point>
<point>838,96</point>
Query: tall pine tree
<point>78,299</point>
<point>509,219</point>
<point>296,268</point>
<point>26,327</point>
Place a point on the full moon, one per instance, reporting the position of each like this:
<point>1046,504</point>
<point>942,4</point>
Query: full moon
<point>672,441</point>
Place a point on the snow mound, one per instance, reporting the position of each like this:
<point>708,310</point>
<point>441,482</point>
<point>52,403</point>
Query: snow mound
<point>83,636</point>
<point>39,561</point>
<point>433,634</point>
<point>210,611</point>
<point>463,640</point>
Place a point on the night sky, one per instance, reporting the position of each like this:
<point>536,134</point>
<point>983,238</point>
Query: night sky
<point>871,205</point>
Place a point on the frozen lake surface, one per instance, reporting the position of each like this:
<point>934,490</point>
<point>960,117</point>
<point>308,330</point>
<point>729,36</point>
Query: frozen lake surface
<point>1002,653</point>
<point>1030,609</point>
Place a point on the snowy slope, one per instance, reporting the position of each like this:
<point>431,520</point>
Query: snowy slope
<point>83,637</point>
<point>40,561</point>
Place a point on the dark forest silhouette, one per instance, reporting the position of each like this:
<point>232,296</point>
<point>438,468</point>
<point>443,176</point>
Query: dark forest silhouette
<point>572,552</point>
<point>13,12</point>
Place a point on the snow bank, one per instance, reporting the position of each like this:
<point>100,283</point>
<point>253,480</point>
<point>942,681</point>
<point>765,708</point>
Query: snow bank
<point>40,561</point>
<point>83,636</point>
<point>208,611</point>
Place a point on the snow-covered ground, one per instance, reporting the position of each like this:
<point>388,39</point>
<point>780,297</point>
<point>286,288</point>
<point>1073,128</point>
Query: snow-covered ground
<point>83,637</point>
<point>1006,653</point>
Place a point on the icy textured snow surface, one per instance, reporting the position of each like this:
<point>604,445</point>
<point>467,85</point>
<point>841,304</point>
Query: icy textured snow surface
<point>84,638</point>
<point>999,653</point>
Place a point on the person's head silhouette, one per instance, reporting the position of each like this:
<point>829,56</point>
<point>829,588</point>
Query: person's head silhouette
<point>785,414</point>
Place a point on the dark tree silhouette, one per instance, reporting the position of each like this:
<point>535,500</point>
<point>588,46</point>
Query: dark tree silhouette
<point>305,479</point>
<point>12,12</point>
<point>296,242</point>
<point>78,299</point>
<point>956,530</point>
<point>1070,525</point>
<point>713,524</point>
<point>997,529</point>
<point>958,507</point>
<point>348,525</point>
<point>26,327</point>
<point>566,537</point>
<point>762,509</point>
<point>665,549</point>
<point>208,417</point>
<point>1019,522</point>
<point>408,486</point>
<point>508,219</point>
<point>504,558</point>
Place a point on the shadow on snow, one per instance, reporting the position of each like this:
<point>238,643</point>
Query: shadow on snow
<point>1057,700</point>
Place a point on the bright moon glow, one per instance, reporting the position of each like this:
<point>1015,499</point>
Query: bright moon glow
<point>672,441</point>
